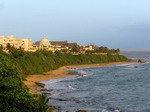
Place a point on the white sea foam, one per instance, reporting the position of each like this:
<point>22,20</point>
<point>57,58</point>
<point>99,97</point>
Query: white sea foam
<point>57,84</point>
<point>54,94</point>
<point>104,110</point>
<point>122,64</point>
<point>132,66</point>
<point>82,72</point>
<point>70,87</point>
<point>59,80</point>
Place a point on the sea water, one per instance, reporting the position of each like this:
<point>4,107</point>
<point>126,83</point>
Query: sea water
<point>124,87</point>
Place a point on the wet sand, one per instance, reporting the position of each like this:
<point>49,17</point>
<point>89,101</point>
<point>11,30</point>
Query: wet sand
<point>61,72</point>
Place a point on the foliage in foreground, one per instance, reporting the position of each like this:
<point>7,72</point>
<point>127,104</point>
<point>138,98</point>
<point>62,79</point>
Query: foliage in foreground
<point>14,96</point>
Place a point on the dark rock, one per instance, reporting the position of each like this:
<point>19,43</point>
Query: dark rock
<point>44,89</point>
<point>63,100</point>
<point>142,61</point>
<point>81,111</point>
<point>118,111</point>
<point>40,84</point>
<point>46,93</point>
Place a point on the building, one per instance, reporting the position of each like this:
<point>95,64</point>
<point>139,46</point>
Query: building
<point>88,48</point>
<point>44,44</point>
<point>62,45</point>
<point>53,46</point>
<point>25,44</point>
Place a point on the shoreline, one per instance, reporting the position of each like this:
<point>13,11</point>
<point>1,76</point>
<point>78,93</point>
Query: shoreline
<point>61,72</point>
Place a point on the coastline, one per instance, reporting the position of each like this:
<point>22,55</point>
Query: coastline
<point>61,72</point>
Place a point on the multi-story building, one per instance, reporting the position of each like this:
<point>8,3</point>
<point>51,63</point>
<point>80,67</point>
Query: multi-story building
<point>25,44</point>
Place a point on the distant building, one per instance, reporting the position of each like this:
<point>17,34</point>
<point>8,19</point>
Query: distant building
<point>88,48</point>
<point>25,44</point>
<point>62,45</point>
<point>53,46</point>
<point>44,44</point>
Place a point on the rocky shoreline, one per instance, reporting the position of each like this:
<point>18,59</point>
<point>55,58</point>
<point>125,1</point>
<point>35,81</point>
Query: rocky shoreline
<point>63,73</point>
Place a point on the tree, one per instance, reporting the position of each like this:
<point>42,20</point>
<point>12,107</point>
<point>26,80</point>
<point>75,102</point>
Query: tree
<point>117,51</point>
<point>1,47</point>
<point>76,48</point>
<point>65,50</point>
<point>8,46</point>
<point>14,51</point>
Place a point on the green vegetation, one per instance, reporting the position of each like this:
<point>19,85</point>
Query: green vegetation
<point>42,61</point>
<point>103,49</point>
<point>14,95</point>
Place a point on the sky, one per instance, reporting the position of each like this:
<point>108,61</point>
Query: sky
<point>123,24</point>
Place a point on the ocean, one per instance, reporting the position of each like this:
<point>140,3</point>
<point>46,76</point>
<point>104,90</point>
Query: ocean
<point>121,87</point>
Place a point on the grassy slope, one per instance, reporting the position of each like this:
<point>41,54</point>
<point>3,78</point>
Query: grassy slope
<point>39,62</point>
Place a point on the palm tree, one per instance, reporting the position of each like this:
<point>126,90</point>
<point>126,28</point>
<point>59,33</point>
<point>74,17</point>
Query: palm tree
<point>42,104</point>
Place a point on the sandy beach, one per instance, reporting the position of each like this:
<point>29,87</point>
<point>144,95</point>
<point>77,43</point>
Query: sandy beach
<point>31,80</point>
